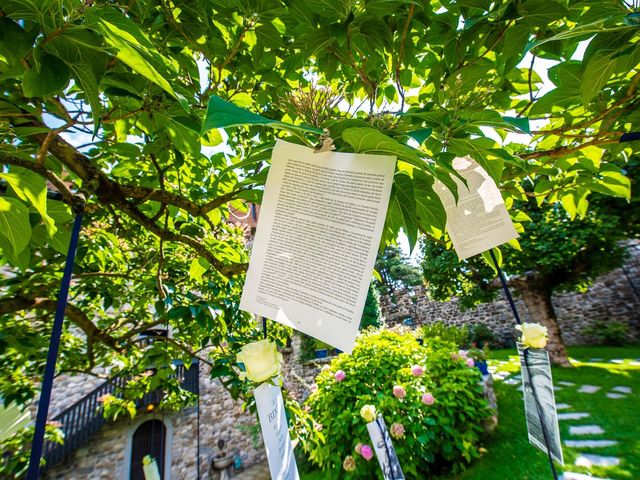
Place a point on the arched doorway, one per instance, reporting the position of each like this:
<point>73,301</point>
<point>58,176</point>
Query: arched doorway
<point>148,439</point>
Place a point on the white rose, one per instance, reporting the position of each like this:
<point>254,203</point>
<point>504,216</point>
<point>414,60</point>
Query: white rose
<point>534,335</point>
<point>261,360</point>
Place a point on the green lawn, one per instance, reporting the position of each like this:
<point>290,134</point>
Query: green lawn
<point>509,455</point>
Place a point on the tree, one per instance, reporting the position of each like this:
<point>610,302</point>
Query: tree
<point>120,102</point>
<point>371,315</point>
<point>395,271</point>
<point>556,254</point>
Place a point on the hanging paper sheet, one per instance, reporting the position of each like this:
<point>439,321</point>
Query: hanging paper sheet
<point>275,432</point>
<point>479,220</point>
<point>316,241</point>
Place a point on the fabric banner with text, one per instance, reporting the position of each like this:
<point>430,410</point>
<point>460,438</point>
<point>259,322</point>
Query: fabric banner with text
<point>316,240</point>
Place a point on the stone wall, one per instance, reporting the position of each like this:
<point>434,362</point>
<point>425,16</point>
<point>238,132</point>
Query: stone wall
<point>107,455</point>
<point>614,296</point>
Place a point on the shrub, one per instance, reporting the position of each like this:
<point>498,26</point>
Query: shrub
<point>438,437</point>
<point>609,332</point>
<point>439,331</point>
<point>481,336</point>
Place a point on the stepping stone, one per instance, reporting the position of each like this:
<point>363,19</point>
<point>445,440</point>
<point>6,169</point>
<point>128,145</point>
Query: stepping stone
<point>579,476</point>
<point>590,443</point>
<point>586,430</point>
<point>588,460</point>
<point>596,360</point>
<point>616,396</point>
<point>617,360</point>
<point>562,406</point>
<point>556,388</point>
<point>573,416</point>
<point>622,389</point>
<point>512,381</point>
<point>589,389</point>
<point>567,384</point>
<point>635,364</point>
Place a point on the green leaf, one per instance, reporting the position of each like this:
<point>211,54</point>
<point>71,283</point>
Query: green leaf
<point>31,187</point>
<point>403,194</point>
<point>134,48</point>
<point>223,114</point>
<point>198,267</point>
<point>370,140</point>
<point>492,163</point>
<point>420,135</point>
<point>60,241</point>
<point>540,13</point>
<point>521,123</point>
<point>14,224</point>
<point>51,77</point>
<point>429,210</point>
<point>486,256</point>
<point>595,76</point>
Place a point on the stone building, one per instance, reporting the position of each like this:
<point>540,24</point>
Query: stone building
<point>614,296</point>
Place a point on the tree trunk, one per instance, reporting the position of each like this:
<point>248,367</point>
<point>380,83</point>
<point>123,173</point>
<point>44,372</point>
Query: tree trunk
<point>537,297</point>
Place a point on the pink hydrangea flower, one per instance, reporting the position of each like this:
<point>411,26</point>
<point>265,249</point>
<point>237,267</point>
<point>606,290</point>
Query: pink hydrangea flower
<point>462,353</point>
<point>366,452</point>
<point>358,448</point>
<point>397,430</point>
<point>428,399</point>
<point>349,463</point>
<point>417,370</point>
<point>399,391</point>
<point>340,375</point>
<point>470,362</point>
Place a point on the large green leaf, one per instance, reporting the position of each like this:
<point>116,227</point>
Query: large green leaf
<point>134,48</point>
<point>429,210</point>
<point>223,114</point>
<point>51,77</point>
<point>595,76</point>
<point>14,224</point>
<point>31,187</point>
<point>403,194</point>
<point>370,140</point>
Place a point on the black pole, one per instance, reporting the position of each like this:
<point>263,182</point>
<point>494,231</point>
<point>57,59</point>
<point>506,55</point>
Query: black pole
<point>198,429</point>
<point>264,327</point>
<point>52,356</point>
<point>525,355</point>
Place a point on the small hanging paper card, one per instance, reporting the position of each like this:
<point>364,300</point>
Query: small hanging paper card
<point>479,221</point>
<point>382,445</point>
<point>316,241</point>
<point>538,375</point>
<point>275,433</point>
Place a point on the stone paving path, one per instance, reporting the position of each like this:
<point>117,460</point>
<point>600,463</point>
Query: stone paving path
<point>585,460</point>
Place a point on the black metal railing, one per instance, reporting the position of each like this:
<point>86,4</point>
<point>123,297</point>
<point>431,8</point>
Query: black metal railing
<point>85,418</point>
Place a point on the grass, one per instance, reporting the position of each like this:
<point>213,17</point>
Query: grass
<point>509,454</point>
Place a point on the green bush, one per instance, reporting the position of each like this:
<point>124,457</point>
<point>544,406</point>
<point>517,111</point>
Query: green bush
<point>440,437</point>
<point>439,331</point>
<point>480,335</point>
<point>609,332</point>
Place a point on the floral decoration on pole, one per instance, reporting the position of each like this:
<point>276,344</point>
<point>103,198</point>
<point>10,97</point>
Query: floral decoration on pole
<point>262,361</point>
<point>533,335</point>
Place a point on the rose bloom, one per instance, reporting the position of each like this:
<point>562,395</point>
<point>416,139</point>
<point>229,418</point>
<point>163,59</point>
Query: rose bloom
<point>428,399</point>
<point>340,375</point>
<point>470,362</point>
<point>368,412</point>
<point>366,452</point>
<point>349,463</point>
<point>534,335</point>
<point>417,370</point>
<point>399,391</point>
<point>261,360</point>
<point>397,430</point>
<point>358,448</point>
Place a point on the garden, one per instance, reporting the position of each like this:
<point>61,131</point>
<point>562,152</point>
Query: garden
<point>429,191</point>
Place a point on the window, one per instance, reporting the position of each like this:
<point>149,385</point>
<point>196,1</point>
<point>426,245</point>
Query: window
<point>148,439</point>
